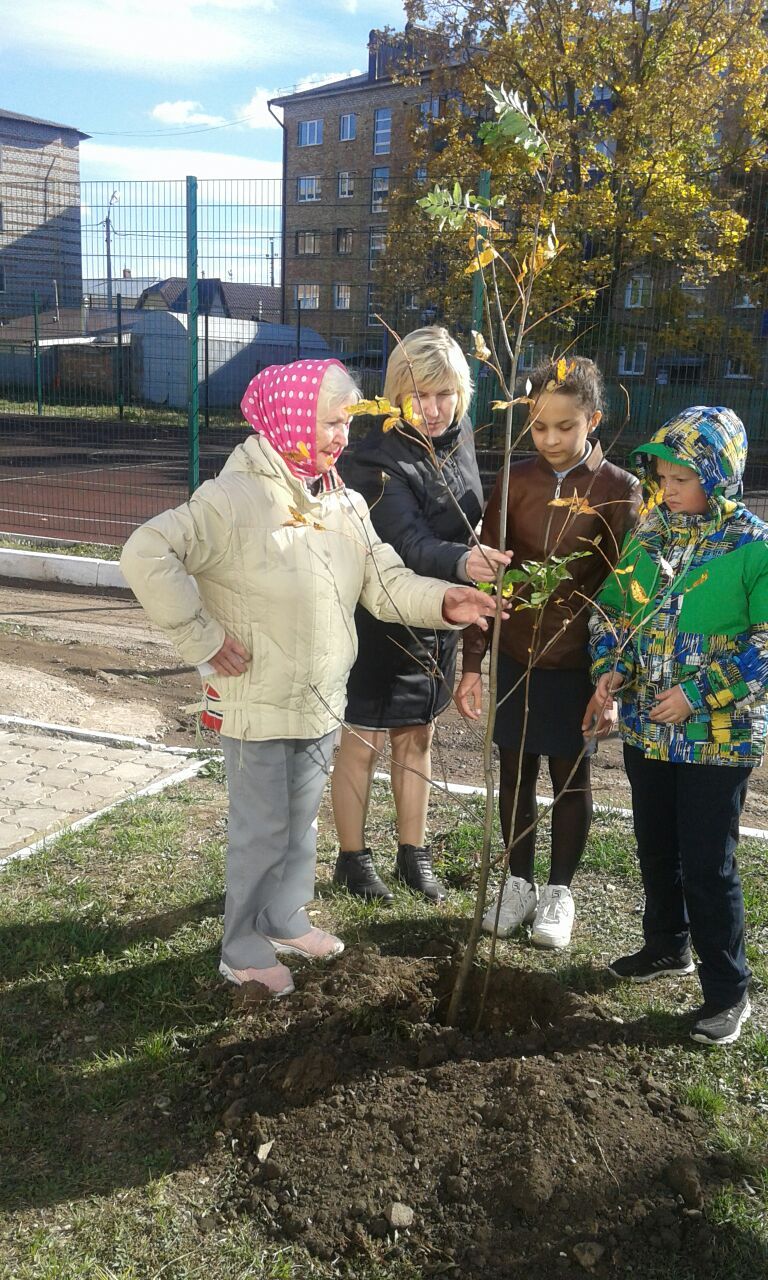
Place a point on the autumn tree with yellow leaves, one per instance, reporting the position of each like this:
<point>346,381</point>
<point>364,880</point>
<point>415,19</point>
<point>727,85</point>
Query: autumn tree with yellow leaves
<point>655,111</point>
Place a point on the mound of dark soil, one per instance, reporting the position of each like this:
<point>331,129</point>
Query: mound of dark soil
<point>538,1148</point>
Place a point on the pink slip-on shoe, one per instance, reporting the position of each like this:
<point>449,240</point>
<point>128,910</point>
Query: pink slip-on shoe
<point>277,978</point>
<point>315,945</point>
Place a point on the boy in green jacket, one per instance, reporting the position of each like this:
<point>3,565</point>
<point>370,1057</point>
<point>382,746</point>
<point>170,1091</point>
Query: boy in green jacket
<point>680,633</point>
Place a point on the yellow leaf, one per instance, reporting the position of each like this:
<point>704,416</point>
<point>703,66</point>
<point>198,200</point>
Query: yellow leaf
<point>378,405</point>
<point>637,593</point>
<point>551,385</point>
<point>579,506</point>
<point>409,412</point>
<point>389,424</point>
<point>297,516</point>
<point>697,583</point>
<point>562,369</point>
<point>480,351</point>
<point>481,260</point>
<point>299,454</point>
<point>502,404</point>
<point>627,569</point>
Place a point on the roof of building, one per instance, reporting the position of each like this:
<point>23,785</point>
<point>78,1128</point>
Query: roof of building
<point>49,124</point>
<point>238,301</point>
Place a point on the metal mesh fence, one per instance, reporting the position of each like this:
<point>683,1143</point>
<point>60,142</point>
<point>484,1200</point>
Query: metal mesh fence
<point>132,316</point>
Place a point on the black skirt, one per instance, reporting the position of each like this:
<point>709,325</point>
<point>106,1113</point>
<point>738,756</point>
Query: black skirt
<point>396,680</point>
<point>557,701</point>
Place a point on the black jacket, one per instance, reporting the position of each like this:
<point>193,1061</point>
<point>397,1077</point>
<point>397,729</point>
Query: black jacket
<point>395,680</point>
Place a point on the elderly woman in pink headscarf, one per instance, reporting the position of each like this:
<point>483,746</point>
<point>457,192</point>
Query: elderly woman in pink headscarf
<point>256,580</point>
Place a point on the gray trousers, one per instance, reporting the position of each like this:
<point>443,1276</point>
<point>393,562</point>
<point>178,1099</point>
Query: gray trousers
<point>275,789</point>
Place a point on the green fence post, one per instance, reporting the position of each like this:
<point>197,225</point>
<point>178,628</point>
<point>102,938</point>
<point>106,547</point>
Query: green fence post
<point>38,368</point>
<point>120,395</point>
<point>483,189</point>
<point>193,388</point>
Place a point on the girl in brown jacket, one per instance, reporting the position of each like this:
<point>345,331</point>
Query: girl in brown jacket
<point>568,464</point>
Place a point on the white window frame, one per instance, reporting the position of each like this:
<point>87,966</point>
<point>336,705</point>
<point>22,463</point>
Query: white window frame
<point>380,195</point>
<point>313,133</point>
<point>342,296</point>
<point>527,360</point>
<point>628,370</point>
<point>429,110</point>
<point>638,292</point>
<point>348,235</point>
<point>373,302</point>
<point>345,184</point>
<point>308,295</point>
<point>308,199</point>
<point>382,131</point>
<point>378,236</point>
<point>744,303</point>
<point>695,295</point>
<point>348,126</point>
<point>307,253</point>
<point>732,373</point>
<point>410,300</point>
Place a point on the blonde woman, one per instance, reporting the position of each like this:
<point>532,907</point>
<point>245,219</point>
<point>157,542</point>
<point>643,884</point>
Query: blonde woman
<point>402,680</point>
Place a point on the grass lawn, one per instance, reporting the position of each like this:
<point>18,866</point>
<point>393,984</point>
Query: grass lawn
<point>108,952</point>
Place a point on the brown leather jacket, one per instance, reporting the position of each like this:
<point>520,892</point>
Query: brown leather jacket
<point>536,530</point>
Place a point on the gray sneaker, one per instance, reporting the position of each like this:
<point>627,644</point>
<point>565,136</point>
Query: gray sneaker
<point>721,1026</point>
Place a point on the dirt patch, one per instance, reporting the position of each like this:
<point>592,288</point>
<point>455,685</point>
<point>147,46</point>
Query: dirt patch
<point>540,1146</point>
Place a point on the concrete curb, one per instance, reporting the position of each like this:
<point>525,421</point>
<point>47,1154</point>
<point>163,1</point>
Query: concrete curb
<point>49,566</point>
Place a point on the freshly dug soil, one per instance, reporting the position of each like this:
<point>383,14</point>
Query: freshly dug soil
<point>538,1147</point>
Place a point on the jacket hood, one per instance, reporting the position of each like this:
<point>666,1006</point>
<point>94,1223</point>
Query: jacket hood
<point>711,441</point>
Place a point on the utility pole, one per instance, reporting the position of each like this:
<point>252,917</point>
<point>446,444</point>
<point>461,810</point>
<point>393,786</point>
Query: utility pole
<point>108,242</point>
<point>272,261</point>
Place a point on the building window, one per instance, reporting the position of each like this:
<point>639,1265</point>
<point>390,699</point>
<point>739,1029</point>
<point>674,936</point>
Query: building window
<point>2,279</point>
<point>377,237</point>
<point>638,292</point>
<point>429,110</point>
<point>382,131</point>
<point>307,242</point>
<point>410,300</point>
<point>374,304</point>
<point>344,239</point>
<point>347,128</point>
<point>379,190</point>
<point>421,175</point>
<point>342,296</point>
<point>602,93</point>
<point>632,359</point>
<point>2,224</point>
<point>694,300</point>
<point>307,189</point>
<point>310,133</point>
<point>346,185</point>
<point>308,296</point>
<point>736,367</point>
<point>743,302</point>
<point>527,359</point>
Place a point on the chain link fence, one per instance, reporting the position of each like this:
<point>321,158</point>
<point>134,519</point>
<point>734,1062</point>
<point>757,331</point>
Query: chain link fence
<point>133,314</point>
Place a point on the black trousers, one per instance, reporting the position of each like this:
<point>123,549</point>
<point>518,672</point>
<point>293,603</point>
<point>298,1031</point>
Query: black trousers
<point>686,819</point>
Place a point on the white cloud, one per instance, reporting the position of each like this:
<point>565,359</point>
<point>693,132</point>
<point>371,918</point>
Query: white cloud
<point>255,113</point>
<point>184,112</point>
<point>102,162</point>
<point>169,39</point>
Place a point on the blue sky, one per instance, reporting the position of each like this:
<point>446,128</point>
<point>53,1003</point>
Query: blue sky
<point>151,80</point>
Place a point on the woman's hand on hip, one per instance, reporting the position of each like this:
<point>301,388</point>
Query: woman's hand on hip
<point>232,658</point>
<point>469,695</point>
<point>482,563</point>
<point>465,606</point>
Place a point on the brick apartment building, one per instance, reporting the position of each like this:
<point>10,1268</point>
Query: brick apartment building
<point>345,147</point>
<point>39,214</point>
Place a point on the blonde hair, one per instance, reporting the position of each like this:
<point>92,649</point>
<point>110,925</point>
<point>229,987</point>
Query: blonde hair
<point>436,360</point>
<point>337,390</point>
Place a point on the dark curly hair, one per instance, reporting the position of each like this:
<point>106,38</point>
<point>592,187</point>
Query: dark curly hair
<point>583,379</point>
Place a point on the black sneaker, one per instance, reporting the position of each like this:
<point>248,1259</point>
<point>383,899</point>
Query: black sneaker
<point>357,874</point>
<point>414,868</point>
<point>642,966</point>
<point>721,1026</point>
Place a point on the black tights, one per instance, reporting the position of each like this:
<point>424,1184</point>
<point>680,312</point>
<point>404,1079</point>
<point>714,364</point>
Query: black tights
<point>571,815</point>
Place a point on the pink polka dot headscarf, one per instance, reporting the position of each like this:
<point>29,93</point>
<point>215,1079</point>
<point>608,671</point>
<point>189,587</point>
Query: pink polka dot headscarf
<point>281,404</point>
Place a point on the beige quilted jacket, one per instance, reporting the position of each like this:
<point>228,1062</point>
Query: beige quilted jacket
<point>238,558</point>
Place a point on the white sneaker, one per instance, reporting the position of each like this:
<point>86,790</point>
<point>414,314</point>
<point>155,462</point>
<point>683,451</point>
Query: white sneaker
<point>554,917</point>
<point>518,906</point>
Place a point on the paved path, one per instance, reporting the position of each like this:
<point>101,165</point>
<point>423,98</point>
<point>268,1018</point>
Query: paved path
<point>47,781</point>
